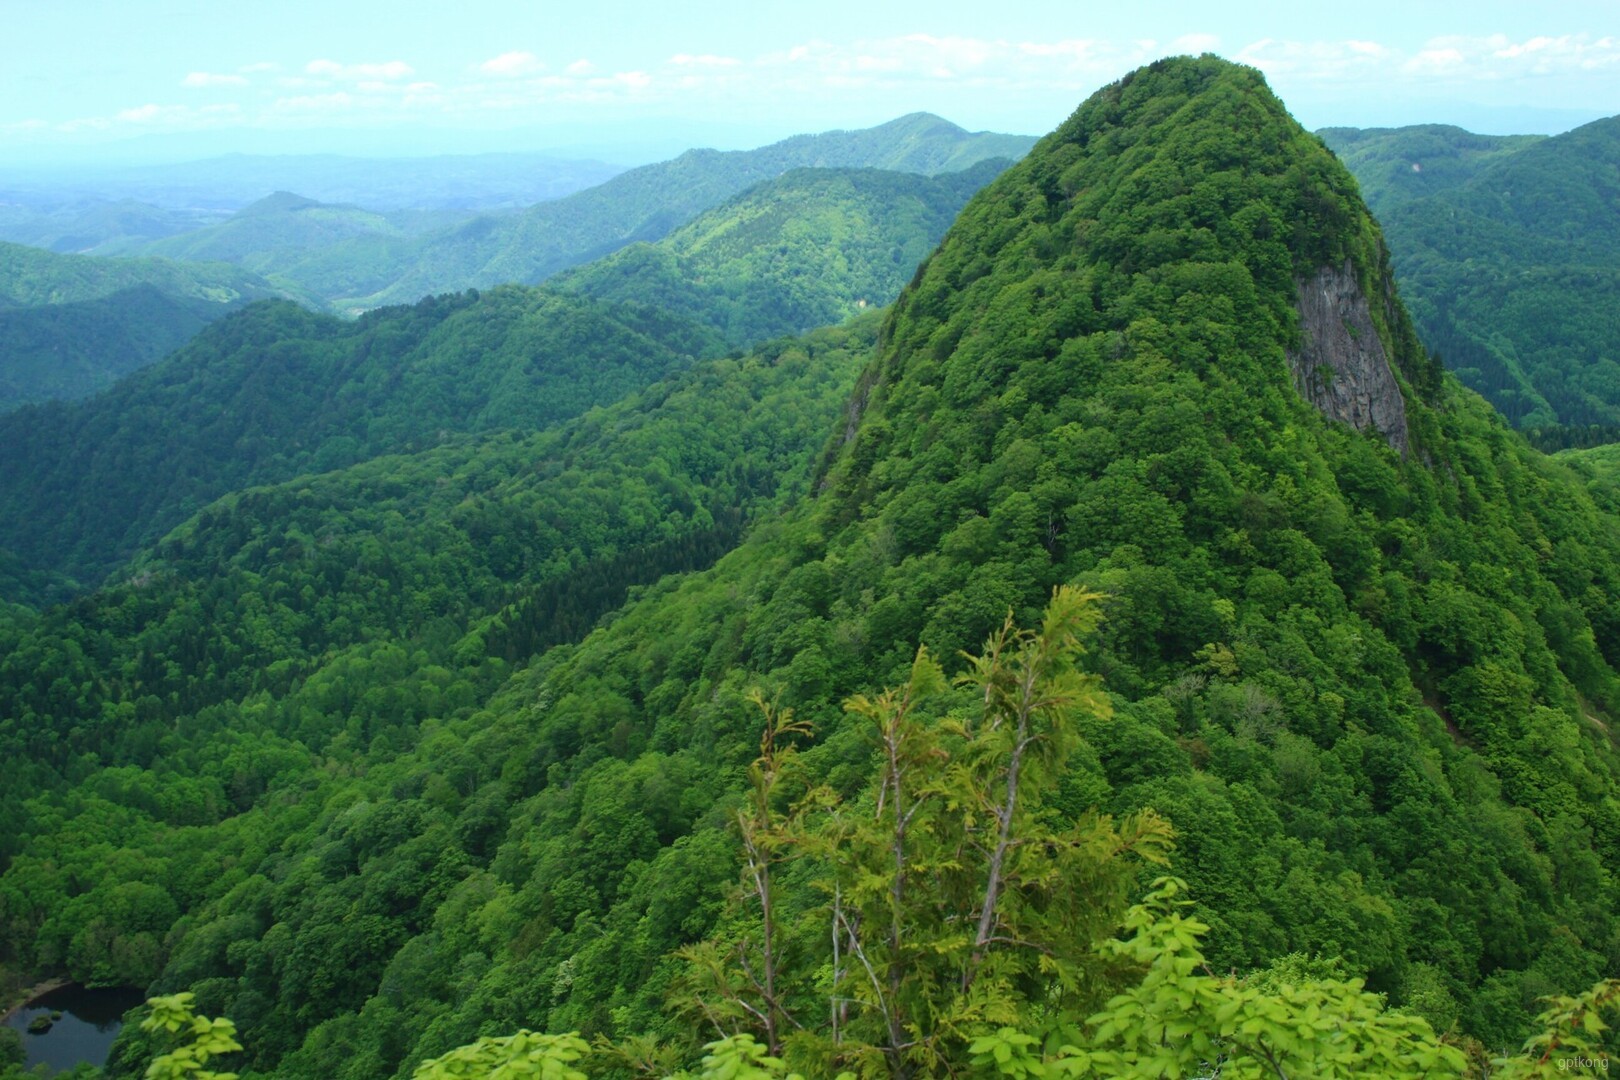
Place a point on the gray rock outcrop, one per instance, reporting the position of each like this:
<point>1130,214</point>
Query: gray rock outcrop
<point>1342,367</point>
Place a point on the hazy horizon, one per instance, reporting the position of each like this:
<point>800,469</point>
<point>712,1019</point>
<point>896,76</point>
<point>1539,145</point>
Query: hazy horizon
<point>145,82</point>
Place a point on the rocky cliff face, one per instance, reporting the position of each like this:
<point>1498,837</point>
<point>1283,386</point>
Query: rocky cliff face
<point>1342,368</point>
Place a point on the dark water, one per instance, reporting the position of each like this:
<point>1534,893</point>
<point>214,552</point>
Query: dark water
<point>89,1024</point>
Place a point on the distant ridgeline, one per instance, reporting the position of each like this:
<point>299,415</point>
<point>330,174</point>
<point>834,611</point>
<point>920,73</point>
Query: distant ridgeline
<point>649,202</point>
<point>71,325</point>
<point>1508,251</point>
<point>277,390</point>
<point>355,259</point>
<point>809,248</point>
<point>334,755</point>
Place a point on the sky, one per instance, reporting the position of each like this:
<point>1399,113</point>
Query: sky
<point>155,79</point>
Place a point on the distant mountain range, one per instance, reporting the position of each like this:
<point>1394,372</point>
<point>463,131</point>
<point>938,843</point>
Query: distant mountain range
<point>808,248</point>
<point>354,259</point>
<point>228,183</point>
<point>1508,252</point>
<point>321,249</point>
<point>650,202</point>
<point>275,391</point>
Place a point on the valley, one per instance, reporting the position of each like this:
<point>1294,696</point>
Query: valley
<point>450,622</point>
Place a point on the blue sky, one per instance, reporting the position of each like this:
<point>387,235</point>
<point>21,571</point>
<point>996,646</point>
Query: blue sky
<point>402,77</point>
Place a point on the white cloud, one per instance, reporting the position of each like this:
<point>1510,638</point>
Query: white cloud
<point>1444,60</point>
<point>914,69</point>
<point>992,63</point>
<point>1453,59</point>
<point>1315,60</point>
<point>201,79</point>
<point>393,70</point>
<point>511,64</point>
<point>171,116</point>
<point>142,114</point>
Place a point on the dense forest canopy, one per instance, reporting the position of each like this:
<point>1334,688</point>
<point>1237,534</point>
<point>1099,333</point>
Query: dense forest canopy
<point>1507,251</point>
<point>809,248</point>
<point>277,390</point>
<point>466,738</point>
<point>71,325</point>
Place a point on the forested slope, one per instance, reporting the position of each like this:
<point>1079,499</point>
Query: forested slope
<point>66,351</point>
<point>1365,668</point>
<point>71,324</point>
<point>648,202</point>
<point>1511,275</point>
<point>162,723</point>
<point>1395,166</point>
<point>277,390</point>
<point>809,248</point>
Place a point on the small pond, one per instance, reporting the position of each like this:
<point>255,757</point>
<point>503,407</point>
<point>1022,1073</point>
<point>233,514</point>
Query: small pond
<point>89,1024</point>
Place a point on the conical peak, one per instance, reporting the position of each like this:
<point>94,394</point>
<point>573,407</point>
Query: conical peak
<point>1179,222</point>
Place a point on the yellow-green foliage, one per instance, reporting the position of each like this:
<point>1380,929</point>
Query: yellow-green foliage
<point>524,1056</point>
<point>202,1040</point>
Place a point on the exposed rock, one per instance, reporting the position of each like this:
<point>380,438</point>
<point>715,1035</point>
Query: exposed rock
<point>1342,368</point>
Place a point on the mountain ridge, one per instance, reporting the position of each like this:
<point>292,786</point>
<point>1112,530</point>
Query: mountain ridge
<point>71,325</point>
<point>808,248</point>
<point>1510,265</point>
<point>648,202</point>
<point>1369,689</point>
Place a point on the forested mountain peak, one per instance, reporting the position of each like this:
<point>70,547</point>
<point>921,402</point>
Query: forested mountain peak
<point>1186,182</point>
<point>1368,681</point>
<point>1329,660</point>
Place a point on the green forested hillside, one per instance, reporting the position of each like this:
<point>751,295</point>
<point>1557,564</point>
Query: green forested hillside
<point>277,390</point>
<point>30,277</point>
<point>1600,467</point>
<point>66,351</point>
<point>71,324</point>
<point>333,616</point>
<point>806,249</point>
<point>1365,673</point>
<point>1395,166</point>
<point>1511,274</point>
<point>649,202</point>
<point>324,249</point>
